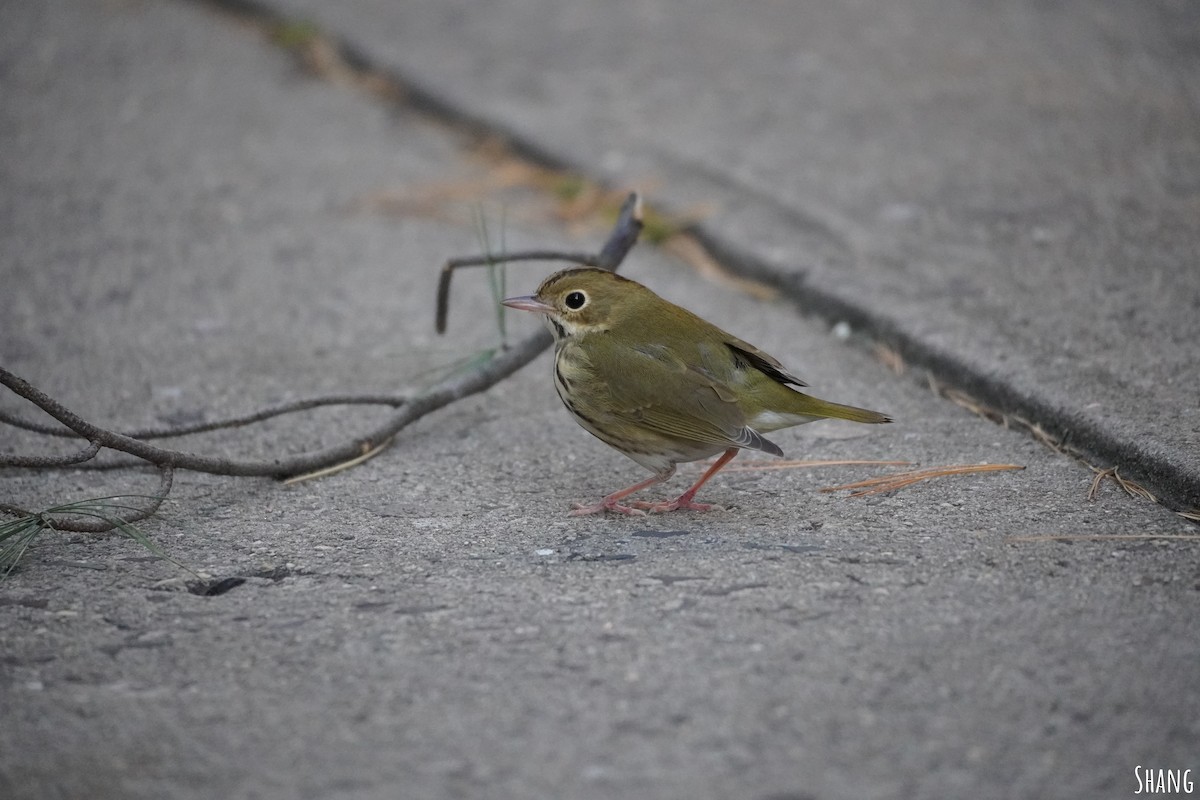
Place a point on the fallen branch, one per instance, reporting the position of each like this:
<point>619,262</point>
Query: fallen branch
<point>409,409</point>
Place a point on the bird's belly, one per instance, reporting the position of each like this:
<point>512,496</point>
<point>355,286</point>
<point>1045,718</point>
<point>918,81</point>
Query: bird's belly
<point>648,448</point>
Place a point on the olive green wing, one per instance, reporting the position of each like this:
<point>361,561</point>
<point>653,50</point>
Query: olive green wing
<point>650,386</point>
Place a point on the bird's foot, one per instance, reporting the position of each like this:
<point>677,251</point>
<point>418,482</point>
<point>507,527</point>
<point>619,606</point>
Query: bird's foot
<point>582,510</point>
<point>678,504</point>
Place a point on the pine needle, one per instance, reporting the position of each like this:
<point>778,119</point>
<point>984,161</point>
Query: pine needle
<point>17,535</point>
<point>689,249</point>
<point>890,358</point>
<point>1131,488</point>
<point>336,468</point>
<point>768,465</point>
<point>899,480</point>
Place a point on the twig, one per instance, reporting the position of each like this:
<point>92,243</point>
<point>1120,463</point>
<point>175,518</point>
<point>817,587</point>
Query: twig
<point>624,235</point>
<point>443,291</point>
<point>45,462</point>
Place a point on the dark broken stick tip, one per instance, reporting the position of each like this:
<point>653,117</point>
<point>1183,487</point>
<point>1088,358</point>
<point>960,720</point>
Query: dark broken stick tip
<point>443,298</point>
<point>624,235</point>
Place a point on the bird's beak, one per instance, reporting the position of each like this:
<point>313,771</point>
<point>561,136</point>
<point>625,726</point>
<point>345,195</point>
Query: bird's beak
<point>528,303</point>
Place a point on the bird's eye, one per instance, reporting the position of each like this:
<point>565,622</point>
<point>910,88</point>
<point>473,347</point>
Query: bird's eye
<point>575,300</point>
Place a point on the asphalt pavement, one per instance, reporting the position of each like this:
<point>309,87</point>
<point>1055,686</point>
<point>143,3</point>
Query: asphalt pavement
<point>1005,196</point>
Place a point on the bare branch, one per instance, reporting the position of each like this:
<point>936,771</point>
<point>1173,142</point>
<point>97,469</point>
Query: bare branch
<point>205,427</point>
<point>45,462</point>
<point>443,291</point>
<point>102,524</point>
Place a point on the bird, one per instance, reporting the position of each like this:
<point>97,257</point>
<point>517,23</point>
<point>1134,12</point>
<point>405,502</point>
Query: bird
<point>662,385</point>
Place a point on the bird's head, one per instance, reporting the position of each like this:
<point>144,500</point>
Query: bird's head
<point>586,300</point>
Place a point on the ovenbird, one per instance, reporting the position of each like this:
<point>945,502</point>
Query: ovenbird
<point>662,385</point>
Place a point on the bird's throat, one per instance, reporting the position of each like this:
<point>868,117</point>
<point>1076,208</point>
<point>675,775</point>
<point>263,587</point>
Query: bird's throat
<point>566,330</point>
<point>556,328</point>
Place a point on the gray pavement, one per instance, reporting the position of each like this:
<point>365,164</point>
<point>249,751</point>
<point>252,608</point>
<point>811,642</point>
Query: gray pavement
<point>187,232</point>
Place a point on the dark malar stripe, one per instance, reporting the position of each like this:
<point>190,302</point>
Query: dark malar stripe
<point>559,378</point>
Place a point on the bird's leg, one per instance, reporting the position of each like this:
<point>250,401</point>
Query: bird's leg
<point>612,502</point>
<point>684,502</point>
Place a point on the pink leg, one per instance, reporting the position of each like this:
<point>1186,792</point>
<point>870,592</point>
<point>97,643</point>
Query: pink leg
<point>684,502</point>
<point>612,502</point>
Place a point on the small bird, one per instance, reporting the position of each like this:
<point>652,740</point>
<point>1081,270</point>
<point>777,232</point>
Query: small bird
<point>662,385</point>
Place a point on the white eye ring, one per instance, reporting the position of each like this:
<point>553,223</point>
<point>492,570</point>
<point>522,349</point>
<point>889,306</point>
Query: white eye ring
<point>575,300</point>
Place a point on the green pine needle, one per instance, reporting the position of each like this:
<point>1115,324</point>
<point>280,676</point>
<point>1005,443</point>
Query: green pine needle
<point>16,535</point>
<point>497,272</point>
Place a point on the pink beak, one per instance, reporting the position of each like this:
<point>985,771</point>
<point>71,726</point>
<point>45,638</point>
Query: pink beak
<point>528,303</point>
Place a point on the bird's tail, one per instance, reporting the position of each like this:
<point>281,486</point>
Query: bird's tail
<point>797,408</point>
<point>823,408</point>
